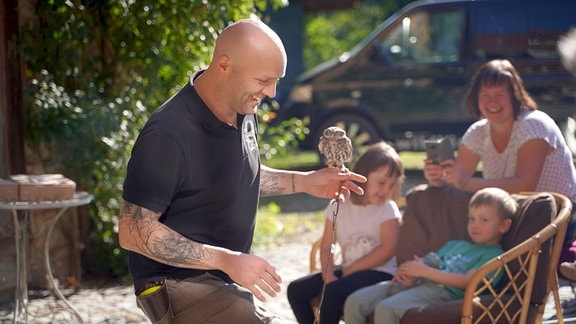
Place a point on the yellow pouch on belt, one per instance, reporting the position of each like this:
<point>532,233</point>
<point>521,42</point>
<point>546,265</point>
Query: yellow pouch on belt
<point>155,303</point>
<point>150,290</point>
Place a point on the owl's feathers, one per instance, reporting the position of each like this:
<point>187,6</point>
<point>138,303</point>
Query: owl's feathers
<point>335,146</point>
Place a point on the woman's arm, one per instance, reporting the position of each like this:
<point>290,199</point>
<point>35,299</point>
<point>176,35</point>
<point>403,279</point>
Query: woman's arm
<point>529,164</point>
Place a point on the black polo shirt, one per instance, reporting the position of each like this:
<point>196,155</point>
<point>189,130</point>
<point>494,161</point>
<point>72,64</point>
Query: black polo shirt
<point>201,173</point>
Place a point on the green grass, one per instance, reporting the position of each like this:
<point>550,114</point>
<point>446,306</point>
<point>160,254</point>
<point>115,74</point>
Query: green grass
<point>412,160</point>
<point>304,160</point>
<point>296,160</point>
<point>274,227</point>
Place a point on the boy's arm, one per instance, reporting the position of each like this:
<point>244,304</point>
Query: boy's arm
<point>451,279</point>
<point>417,268</point>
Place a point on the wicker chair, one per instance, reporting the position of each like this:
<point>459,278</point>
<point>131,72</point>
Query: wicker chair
<point>529,262</point>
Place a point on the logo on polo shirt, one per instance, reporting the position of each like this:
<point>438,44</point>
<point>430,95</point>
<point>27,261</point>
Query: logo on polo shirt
<point>249,134</point>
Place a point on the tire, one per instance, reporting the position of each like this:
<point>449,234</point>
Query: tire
<point>361,131</point>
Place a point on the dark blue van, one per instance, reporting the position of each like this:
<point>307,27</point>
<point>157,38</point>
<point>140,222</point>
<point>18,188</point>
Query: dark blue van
<point>407,80</point>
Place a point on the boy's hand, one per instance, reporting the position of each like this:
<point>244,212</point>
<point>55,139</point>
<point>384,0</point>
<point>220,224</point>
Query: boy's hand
<point>405,280</point>
<point>414,268</point>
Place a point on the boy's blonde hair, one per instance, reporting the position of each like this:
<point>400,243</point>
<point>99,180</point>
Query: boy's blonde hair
<point>376,156</point>
<point>506,206</point>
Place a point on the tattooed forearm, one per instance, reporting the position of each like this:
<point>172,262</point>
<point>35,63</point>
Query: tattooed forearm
<point>153,239</point>
<point>270,183</point>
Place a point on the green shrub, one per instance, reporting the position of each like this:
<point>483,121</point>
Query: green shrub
<point>95,71</point>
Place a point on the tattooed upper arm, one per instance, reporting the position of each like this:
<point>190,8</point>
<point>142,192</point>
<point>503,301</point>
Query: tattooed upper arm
<point>136,212</point>
<point>137,224</point>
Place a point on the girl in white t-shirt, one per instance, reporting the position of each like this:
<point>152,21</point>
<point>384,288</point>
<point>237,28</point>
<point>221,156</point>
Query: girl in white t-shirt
<point>366,229</point>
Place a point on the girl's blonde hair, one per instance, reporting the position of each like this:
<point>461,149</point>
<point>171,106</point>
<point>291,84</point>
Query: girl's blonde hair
<point>376,156</point>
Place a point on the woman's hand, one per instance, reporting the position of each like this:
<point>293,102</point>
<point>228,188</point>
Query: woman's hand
<point>453,174</point>
<point>445,173</point>
<point>433,173</point>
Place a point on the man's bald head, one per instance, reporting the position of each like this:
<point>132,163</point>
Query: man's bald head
<point>248,61</point>
<point>250,41</point>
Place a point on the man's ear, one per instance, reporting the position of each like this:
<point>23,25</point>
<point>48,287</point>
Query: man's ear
<point>223,63</point>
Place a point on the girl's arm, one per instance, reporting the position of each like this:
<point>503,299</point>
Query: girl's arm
<point>389,232</point>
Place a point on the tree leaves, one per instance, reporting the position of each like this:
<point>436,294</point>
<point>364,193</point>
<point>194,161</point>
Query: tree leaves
<point>95,70</point>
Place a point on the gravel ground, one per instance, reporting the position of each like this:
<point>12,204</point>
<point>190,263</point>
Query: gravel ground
<point>106,302</point>
<point>291,262</point>
<point>99,302</point>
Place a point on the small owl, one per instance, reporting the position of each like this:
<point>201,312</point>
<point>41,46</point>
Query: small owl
<point>336,147</point>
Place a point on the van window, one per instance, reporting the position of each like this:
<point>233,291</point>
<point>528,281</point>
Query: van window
<point>503,30</point>
<point>423,37</point>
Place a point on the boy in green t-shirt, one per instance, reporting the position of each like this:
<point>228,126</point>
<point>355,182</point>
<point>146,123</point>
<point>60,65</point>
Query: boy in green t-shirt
<point>489,217</point>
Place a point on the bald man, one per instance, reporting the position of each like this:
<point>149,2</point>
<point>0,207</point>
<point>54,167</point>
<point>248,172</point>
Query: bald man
<point>192,186</point>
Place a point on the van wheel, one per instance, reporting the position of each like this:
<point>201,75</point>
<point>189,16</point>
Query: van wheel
<point>359,129</point>
<point>568,129</point>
